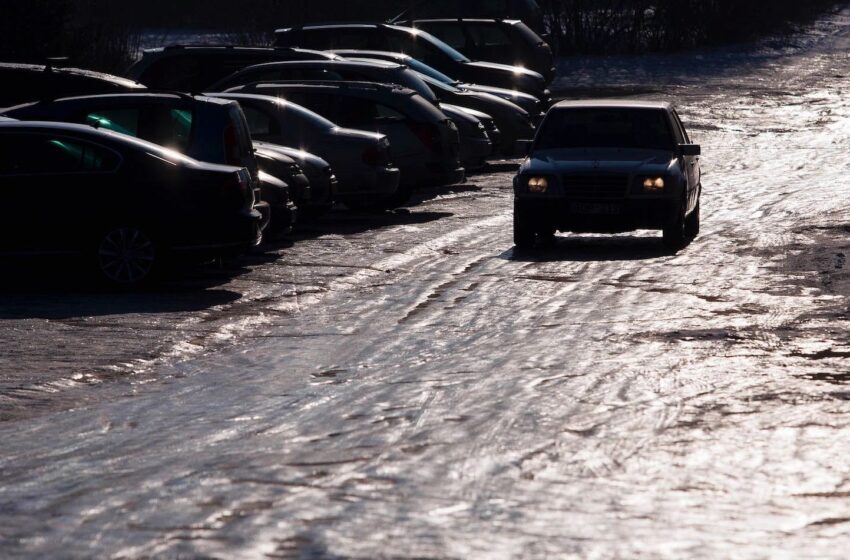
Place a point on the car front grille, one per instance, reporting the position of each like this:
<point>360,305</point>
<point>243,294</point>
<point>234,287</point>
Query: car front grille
<point>595,186</point>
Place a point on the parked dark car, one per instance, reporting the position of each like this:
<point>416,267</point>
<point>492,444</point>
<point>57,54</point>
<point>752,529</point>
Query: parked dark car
<point>508,41</point>
<point>22,83</point>
<point>424,142</point>
<point>280,179</point>
<point>608,167</point>
<point>194,68</point>
<point>125,205</point>
<point>418,44</point>
<point>361,160</point>
<point>206,129</point>
<point>324,185</point>
<point>530,103</point>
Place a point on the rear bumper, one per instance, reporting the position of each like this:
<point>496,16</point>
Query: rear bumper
<point>265,211</point>
<point>227,236</point>
<point>601,216</point>
<point>381,182</point>
<point>474,152</point>
<point>284,218</point>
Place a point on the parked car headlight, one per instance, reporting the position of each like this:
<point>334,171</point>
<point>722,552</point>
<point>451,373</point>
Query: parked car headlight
<point>538,185</point>
<point>653,184</point>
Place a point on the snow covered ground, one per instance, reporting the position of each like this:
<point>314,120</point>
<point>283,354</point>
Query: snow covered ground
<point>405,386</point>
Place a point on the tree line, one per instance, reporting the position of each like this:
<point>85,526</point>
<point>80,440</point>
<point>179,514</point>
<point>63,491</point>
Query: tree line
<point>635,26</point>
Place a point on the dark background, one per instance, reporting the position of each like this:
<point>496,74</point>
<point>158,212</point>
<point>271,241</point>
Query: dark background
<point>104,34</point>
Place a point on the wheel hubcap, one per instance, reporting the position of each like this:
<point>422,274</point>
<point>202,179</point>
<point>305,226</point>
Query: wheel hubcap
<point>126,255</point>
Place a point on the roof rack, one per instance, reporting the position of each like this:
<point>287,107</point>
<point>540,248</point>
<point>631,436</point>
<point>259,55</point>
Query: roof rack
<point>341,84</point>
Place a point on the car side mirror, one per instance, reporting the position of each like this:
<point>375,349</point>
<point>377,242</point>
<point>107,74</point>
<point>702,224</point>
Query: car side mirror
<point>524,146</point>
<point>688,150</point>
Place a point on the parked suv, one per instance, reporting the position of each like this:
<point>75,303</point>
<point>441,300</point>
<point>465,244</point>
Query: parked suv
<point>527,11</point>
<point>23,83</point>
<point>195,68</point>
<point>360,159</point>
<point>425,142</point>
<point>206,129</point>
<point>122,204</point>
<point>418,44</point>
<point>507,41</point>
<point>607,167</point>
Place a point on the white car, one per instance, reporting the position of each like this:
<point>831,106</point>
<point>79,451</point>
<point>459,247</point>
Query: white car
<point>361,160</point>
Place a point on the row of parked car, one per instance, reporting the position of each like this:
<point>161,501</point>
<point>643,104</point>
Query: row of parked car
<point>205,150</point>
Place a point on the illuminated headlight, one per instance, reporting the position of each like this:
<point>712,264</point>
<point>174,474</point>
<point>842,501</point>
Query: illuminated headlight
<point>538,185</point>
<point>653,184</point>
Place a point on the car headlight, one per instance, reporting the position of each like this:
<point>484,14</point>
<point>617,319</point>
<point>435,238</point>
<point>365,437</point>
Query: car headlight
<point>653,184</point>
<point>538,185</point>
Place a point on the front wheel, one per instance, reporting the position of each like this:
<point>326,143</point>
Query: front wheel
<point>692,223</point>
<point>675,236</point>
<point>524,232</point>
<point>126,256</point>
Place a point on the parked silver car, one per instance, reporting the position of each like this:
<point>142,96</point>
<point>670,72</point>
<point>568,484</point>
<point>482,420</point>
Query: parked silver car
<point>424,142</point>
<point>360,159</point>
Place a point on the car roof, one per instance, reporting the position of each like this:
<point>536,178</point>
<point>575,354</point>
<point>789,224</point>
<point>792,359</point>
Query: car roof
<point>328,64</point>
<point>80,72</point>
<point>467,20</point>
<point>613,104</point>
<point>188,47</point>
<point>367,87</point>
<point>146,96</point>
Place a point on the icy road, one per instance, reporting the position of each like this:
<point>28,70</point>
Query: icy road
<point>413,389</point>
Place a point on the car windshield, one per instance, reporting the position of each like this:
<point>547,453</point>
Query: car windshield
<point>443,47</point>
<point>438,84</point>
<point>307,115</point>
<point>605,127</point>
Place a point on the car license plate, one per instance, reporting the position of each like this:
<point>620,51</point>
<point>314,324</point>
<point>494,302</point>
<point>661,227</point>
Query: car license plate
<point>595,208</point>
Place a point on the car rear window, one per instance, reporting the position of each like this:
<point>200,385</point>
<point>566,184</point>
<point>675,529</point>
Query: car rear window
<point>605,128</point>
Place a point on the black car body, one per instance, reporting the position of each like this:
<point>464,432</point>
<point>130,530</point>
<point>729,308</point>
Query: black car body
<point>191,68</point>
<point>324,186</point>
<point>508,41</point>
<point>418,44</point>
<point>125,204</point>
<point>284,188</point>
<point>607,167</point>
<point>203,128</point>
<point>23,83</point>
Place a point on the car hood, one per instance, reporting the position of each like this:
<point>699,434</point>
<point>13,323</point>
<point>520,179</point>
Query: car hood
<point>303,158</point>
<point>489,103</point>
<point>354,134</point>
<point>581,160</point>
<point>459,114</point>
<point>518,97</point>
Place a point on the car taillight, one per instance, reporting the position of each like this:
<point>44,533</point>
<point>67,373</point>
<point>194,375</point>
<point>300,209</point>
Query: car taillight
<point>238,189</point>
<point>428,134</point>
<point>231,146</point>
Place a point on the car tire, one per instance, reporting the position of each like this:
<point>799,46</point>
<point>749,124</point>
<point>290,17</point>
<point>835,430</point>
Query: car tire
<point>126,257</point>
<point>692,223</point>
<point>525,233</point>
<point>675,237</point>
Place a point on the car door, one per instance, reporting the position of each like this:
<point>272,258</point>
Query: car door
<point>369,115</point>
<point>57,186</point>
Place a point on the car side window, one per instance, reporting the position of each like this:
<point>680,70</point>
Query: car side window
<point>356,112</point>
<point>386,114</point>
<point>43,154</point>
<point>260,123</point>
<point>682,131</point>
<point>125,121</point>
<point>488,35</point>
<point>450,34</point>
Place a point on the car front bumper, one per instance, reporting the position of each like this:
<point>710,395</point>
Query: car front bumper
<point>602,216</point>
